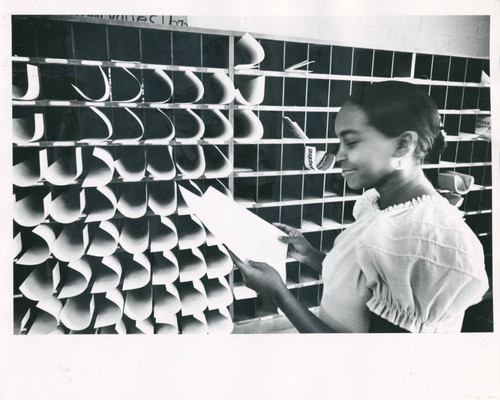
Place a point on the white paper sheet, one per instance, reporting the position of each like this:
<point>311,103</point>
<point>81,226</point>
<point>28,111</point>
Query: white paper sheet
<point>105,82</point>
<point>134,235</point>
<point>159,127</point>
<point>188,88</point>
<point>190,232</point>
<point>219,89</point>
<point>218,261</point>
<point>139,303</point>
<point>217,126</point>
<point>247,126</point>
<point>217,164</point>
<point>101,169</point>
<point>166,303</point>
<point>72,242</point>
<point>161,82</point>
<point>33,80</point>
<point>162,199</point>
<point>219,321</point>
<point>163,234</point>
<point>47,317</point>
<point>455,182</point>
<point>192,265</point>
<point>95,125</point>
<point>101,203</point>
<point>194,324</point>
<point>193,298</point>
<point>66,167</point>
<point>39,284</point>
<point>103,239</point>
<point>128,83</point>
<point>28,129</point>
<point>292,129</point>
<point>250,89</point>
<point>160,163</point>
<point>111,311</point>
<point>78,278</point>
<point>78,311</point>
<point>188,125</point>
<point>107,274</point>
<point>137,272</point>
<point>128,127</point>
<point>68,206</point>
<point>249,52</point>
<point>36,245</point>
<point>26,171</point>
<point>165,267</point>
<point>33,208</point>
<point>218,293</point>
<point>190,161</point>
<point>130,162</point>
<point>133,199</point>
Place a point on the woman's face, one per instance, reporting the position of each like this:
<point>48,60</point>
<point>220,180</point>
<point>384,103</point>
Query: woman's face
<point>365,153</point>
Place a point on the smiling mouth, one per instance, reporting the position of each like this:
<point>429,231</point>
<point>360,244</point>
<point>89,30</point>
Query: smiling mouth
<point>346,171</point>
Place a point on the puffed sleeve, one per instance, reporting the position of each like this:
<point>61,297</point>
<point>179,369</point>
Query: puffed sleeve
<point>423,271</point>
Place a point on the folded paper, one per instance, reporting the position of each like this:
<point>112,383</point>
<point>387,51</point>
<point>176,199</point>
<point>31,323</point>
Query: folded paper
<point>248,52</point>
<point>100,203</point>
<point>47,318</point>
<point>194,324</point>
<point>166,303</point>
<point>139,303</point>
<point>190,232</point>
<point>67,204</point>
<point>133,199</point>
<point>190,161</point>
<point>455,182</point>
<point>28,129</point>
<point>106,274</point>
<point>193,298</point>
<point>292,129</point>
<point>188,125</point>
<point>250,89</point>
<point>26,167</point>
<point>219,89</point>
<point>217,126</point>
<point>126,87</point>
<point>159,128</point>
<point>61,166</point>
<point>218,293</point>
<point>41,282</point>
<point>247,126</point>
<point>188,88</point>
<point>36,245</point>
<point>32,82</point>
<point>218,261</point>
<point>162,199</point>
<point>192,265</point>
<point>158,86</point>
<point>103,239</point>
<point>318,160</point>
<point>127,126</point>
<point>71,243</point>
<point>30,209</point>
<point>137,273</point>
<point>110,311</point>
<point>95,125</point>
<point>165,267</point>
<point>130,163</point>
<point>101,168</point>
<point>134,235</point>
<point>163,234</point>
<point>87,78</point>
<point>78,311</point>
<point>216,163</point>
<point>160,163</point>
<point>78,278</point>
<point>219,321</point>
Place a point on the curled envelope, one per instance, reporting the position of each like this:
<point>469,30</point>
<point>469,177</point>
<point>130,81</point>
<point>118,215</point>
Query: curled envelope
<point>190,231</point>
<point>160,163</point>
<point>78,311</point>
<point>219,321</point>
<point>61,166</point>
<point>190,161</point>
<point>250,89</point>
<point>107,274</point>
<point>125,86</point>
<point>137,272</point>
<point>101,170</point>
<point>26,167</point>
<point>188,88</point>
<point>217,164</point>
<point>247,126</point>
<point>163,234</point>
<point>165,267</point>
<point>188,125</point>
<point>219,89</point>
<point>71,243</point>
<point>162,199</point>
<point>133,199</point>
<point>134,235</point>
<point>103,239</point>
<point>78,278</point>
<point>455,182</point>
<point>109,311</point>
<point>31,208</point>
<point>194,324</point>
<point>36,245</point>
<point>130,163</point>
<point>248,52</point>
<point>95,126</point>
<point>47,318</point>
<point>193,298</point>
<point>318,160</point>
<point>41,282</point>
<point>292,129</point>
<point>192,265</point>
<point>166,303</point>
<point>28,129</point>
<point>100,203</point>
<point>217,126</point>
<point>128,127</point>
<point>67,204</point>
<point>139,303</point>
<point>87,80</point>
<point>31,82</point>
<point>158,86</point>
<point>218,261</point>
<point>218,293</point>
<point>159,128</point>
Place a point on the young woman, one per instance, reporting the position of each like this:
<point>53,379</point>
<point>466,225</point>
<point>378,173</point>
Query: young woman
<point>409,262</point>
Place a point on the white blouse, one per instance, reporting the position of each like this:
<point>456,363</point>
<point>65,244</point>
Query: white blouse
<point>417,264</point>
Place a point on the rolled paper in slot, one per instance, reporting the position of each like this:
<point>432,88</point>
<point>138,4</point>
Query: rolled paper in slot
<point>170,328</point>
<point>247,126</point>
<point>318,160</point>
<point>218,261</point>
<point>71,243</point>
<point>125,86</point>
<point>128,127</point>
<point>250,89</point>
<point>165,267</point>
<point>17,245</point>
<point>118,328</point>
<point>145,326</point>
<point>139,303</point>
<point>36,245</point>
<point>109,310</point>
<point>47,317</point>
<point>134,235</point>
<point>217,126</point>
<point>78,278</point>
<point>159,128</point>
<point>188,88</point>
<point>219,89</point>
<point>101,169</point>
<point>158,86</point>
<point>194,324</point>
<point>163,233</point>
<point>248,52</point>
<point>219,321</point>
<point>166,303</point>
<point>78,311</point>
<point>103,239</point>
<point>192,265</point>
<point>193,298</point>
<point>182,208</point>
<point>61,166</point>
<point>162,199</point>
<point>190,161</point>
<point>21,316</point>
<point>188,125</point>
<point>28,129</point>
<point>107,274</point>
<point>95,125</point>
<point>130,163</point>
<point>160,163</point>
<point>295,67</point>
<point>137,271</point>
<point>218,293</point>
<point>455,182</point>
<point>67,205</point>
<point>453,198</point>
<point>26,170</point>
<point>217,164</point>
<point>41,282</point>
<point>133,199</point>
<point>190,231</point>
<point>100,203</point>
<point>28,88</point>
<point>31,209</point>
<point>94,82</point>
<point>292,129</point>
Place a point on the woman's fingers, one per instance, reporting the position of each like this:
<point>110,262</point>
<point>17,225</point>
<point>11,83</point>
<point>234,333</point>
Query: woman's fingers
<point>285,228</point>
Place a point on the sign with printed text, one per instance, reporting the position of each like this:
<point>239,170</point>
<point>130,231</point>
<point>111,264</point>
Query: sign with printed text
<point>169,20</point>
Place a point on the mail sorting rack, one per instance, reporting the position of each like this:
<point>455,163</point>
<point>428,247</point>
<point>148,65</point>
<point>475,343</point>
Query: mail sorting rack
<point>110,245</point>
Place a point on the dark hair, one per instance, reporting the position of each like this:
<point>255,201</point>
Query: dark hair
<point>394,107</point>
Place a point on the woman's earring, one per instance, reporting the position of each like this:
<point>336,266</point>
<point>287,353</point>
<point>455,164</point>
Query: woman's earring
<point>397,163</point>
